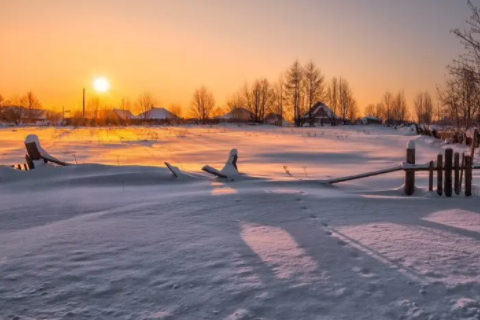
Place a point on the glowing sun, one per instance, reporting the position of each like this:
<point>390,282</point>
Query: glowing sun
<point>101,85</point>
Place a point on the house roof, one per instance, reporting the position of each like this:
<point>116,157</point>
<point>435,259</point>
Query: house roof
<point>235,113</point>
<point>321,106</point>
<point>157,114</point>
<point>124,114</point>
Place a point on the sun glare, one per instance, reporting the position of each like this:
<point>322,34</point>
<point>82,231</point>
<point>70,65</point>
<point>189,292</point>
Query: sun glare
<point>101,85</point>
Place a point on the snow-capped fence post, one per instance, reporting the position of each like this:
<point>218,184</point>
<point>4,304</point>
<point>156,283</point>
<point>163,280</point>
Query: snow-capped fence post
<point>410,174</point>
<point>468,176</point>
<point>439,174</point>
<point>430,177</point>
<point>448,171</point>
<point>456,165</point>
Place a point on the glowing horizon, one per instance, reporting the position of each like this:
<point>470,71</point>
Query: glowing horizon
<point>56,48</point>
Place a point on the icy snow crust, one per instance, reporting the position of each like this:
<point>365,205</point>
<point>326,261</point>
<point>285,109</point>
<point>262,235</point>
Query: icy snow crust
<point>124,239</point>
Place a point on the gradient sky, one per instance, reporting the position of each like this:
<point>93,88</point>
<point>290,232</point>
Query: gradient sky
<point>170,47</point>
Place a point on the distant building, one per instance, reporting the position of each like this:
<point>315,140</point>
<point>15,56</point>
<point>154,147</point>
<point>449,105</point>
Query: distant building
<point>275,119</point>
<point>237,114</point>
<point>123,114</point>
<point>321,113</point>
<point>157,114</point>
<point>370,120</point>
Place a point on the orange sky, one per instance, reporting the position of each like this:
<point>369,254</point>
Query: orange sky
<point>169,48</point>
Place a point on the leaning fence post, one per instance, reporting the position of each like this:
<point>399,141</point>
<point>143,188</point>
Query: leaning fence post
<point>439,174</point>
<point>448,171</point>
<point>468,176</point>
<point>410,174</point>
<point>456,165</point>
<point>474,142</point>
<point>430,177</point>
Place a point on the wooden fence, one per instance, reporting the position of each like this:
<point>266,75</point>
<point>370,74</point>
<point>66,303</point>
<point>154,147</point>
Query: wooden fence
<point>450,170</point>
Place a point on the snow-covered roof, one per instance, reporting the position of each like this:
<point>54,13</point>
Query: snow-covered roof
<point>236,113</point>
<point>321,106</point>
<point>124,114</point>
<point>157,114</point>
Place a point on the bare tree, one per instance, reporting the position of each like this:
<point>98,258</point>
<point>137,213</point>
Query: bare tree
<point>346,102</point>
<point>293,91</point>
<point>461,97</point>
<point>399,107</point>
<point>423,107</point>
<point>235,105</point>
<point>144,105</point>
<point>370,110</point>
<point>314,87</point>
<point>333,97</point>
<point>94,108</point>
<point>387,107</point>
<point>257,98</point>
<point>31,103</point>
<point>176,109</point>
<point>278,99</point>
<point>202,104</point>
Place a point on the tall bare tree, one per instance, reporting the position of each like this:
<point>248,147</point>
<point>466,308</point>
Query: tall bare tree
<point>399,107</point>
<point>176,109</point>
<point>257,98</point>
<point>333,97</point>
<point>314,83</point>
<point>387,107</point>
<point>293,91</point>
<point>144,105</point>
<point>346,102</point>
<point>94,106</point>
<point>423,107</point>
<point>278,99</point>
<point>202,104</point>
<point>32,105</point>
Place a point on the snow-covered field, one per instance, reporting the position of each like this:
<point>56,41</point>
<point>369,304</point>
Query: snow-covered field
<point>118,237</point>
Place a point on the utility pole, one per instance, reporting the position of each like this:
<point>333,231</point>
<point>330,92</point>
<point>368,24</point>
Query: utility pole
<point>83,104</point>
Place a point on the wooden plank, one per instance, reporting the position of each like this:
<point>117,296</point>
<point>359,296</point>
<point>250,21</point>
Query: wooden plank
<point>468,176</point>
<point>456,165</point>
<point>409,185</point>
<point>439,174</point>
<point>365,175</point>
<point>430,177</point>
<point>448,172</point>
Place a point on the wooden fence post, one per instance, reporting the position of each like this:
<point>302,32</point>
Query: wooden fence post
<point>456,165</point>
<point>430,177</point>
<point>468,176</point>
<point>439,174</point>
<point>448,171</point>
<point>474,142</point>
<point>410,174</point>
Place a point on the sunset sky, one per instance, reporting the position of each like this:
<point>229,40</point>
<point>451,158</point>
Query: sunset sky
<point>169,48</point>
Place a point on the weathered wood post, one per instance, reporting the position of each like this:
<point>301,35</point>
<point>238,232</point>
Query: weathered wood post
<point>462,169</point>
<point>448,171</point>
<point>456,165</point>
<point>430,177</point>
<point>468,176</point>
<point>410,174</point>
<point>440,174</point>
<point>19,167</point>
<point>474,144</point>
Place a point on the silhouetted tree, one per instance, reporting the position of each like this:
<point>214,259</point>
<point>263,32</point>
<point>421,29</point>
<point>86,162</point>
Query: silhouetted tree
<point>32,105</point>
<point>314,87</point>
<point>293,91</point>
<point>202,104</point>
<point>176,109</point>
<point>423,107</point>
<point>144,105</point>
